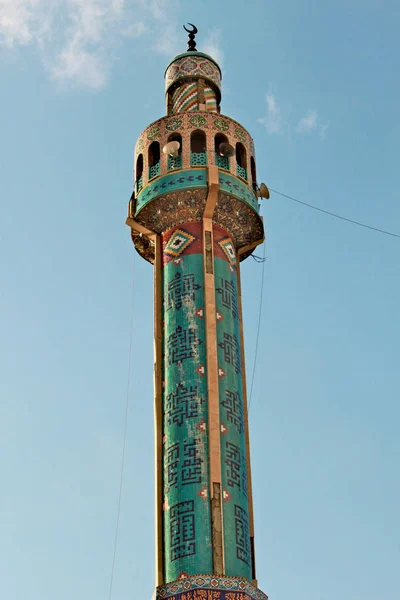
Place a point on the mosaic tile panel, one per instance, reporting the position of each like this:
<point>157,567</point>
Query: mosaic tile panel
<point>236,188</point>
<point>211,99</point>
<point>170,183</point>
<point>200,594</point>
<point>238,560</point>
<point>209,587</point>
<point>244,225</point>
<point>187,517</point>
<point>185,123</point>
<point>192,64</point>
<point>173,209</point>
<point>185,98</point>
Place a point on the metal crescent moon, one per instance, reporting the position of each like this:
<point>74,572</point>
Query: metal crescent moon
<point>194,30</point>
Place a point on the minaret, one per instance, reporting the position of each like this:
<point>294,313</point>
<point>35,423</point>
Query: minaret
<point>194,215</point>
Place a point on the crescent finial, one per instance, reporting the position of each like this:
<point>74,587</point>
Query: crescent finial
<point>192,32</point>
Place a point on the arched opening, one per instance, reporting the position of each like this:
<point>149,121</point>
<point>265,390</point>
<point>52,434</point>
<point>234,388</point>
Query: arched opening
<point>253,173</point>
<point>139,173</point>
<point>154,159</point>
<point>175,162</point>
<point>221,160</point>
<point>241,160</point>
<point>219,139</point>
<point>198,148</point>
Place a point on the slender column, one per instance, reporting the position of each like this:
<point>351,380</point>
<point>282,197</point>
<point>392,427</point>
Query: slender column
<point>235,492</point>
<point>246,426</point>
<point>187,520</point>
<point>212,375</point>
<point>200,94</point>
<point>214,427</point>
<point>158,425</point>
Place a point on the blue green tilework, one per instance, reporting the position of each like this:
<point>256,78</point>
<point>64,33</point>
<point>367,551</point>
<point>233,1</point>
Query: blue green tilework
<point>233,445</point>
<point>179,180</point>
<point>187,518</point>
<point>234,187</point>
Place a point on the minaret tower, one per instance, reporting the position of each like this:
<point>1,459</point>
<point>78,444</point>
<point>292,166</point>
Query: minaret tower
<point>194,215</point>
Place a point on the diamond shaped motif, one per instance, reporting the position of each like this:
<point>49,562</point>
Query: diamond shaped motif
<point>178,242</point>
<point>226,496</point>
<point>200,370</point>
<point>227,246</point>
<point>202,426</point>
<point>203,493</point>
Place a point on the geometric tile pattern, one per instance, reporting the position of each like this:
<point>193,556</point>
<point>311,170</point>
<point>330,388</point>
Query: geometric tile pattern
<point>234,187</point>
<point>243,225</point>
<point>187,517</point>
<point>206,587</point>
<point>238,560</point>
<point>192,64</point>
<point>173,209</point>
<point>228,248</point>
<point>185,98</point>
<point>210,99</point>
<point>179,241</point>
<point>171,182</point>
<point>166,208</point>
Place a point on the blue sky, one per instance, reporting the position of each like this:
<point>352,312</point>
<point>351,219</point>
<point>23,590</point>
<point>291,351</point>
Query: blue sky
<point>316,83</point>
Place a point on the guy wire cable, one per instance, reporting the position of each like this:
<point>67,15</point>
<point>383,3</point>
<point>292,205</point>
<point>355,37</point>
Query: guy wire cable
<point>327,212</point>
<point>124,436</point>
<point>263,260</point>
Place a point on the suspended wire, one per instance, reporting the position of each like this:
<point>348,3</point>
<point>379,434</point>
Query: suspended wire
<point>124,439</point>
<point>258,325</point>
<point>258,259</point>
<point>327,212</point>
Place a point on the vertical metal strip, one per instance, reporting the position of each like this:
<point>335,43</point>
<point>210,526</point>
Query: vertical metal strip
<point>214,426</point>
<point>200,94</point>
<point>246,425</point>
<point>158,424</point>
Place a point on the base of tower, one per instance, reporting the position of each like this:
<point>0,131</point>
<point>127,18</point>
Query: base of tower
<point>210,587</point>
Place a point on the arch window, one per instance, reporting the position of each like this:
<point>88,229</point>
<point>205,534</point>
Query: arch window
<point>154,160</point>
<point>139,173</point>
<point>241,161</point>
<point>253,173</point>
<point>221,160</point>
<point>175,161</point>
<point>198,148</point>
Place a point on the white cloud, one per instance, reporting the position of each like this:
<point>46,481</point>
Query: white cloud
<point>167,41</point>
<point>85,58</point>
<point>273,121</point>
<point>212,46</point>
<point>18,20</point>
<point>308,122</point>
<point>79,39</point>
<point>278,120</point>
<point>311,122</point>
